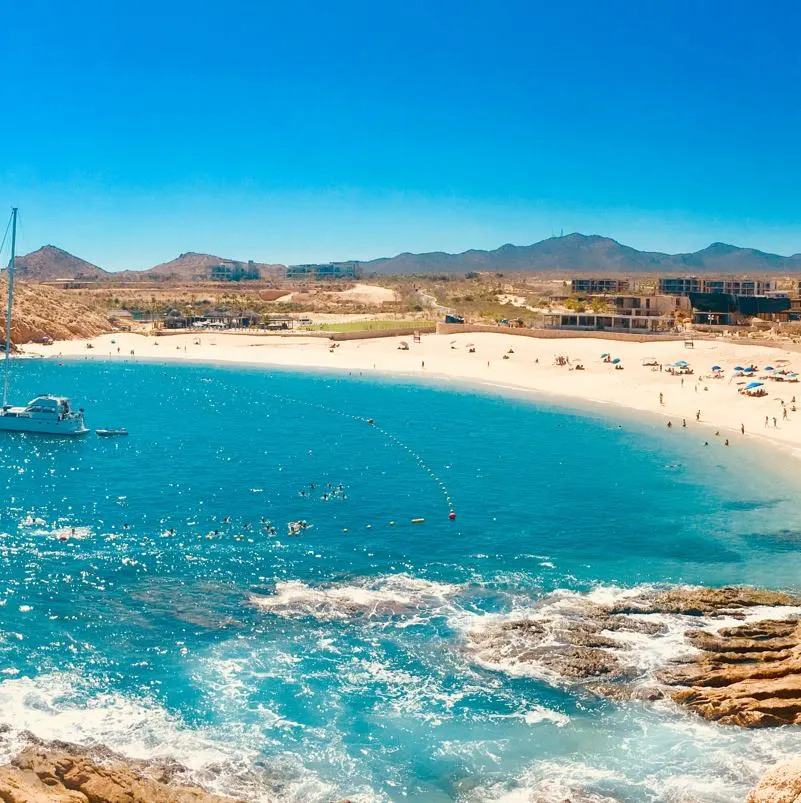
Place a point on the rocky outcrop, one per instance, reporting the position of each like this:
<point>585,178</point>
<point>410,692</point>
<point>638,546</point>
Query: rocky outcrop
<point>782,784</point>
<point>41,311</point>
<point>701,601</point>
<point>61,773</point>
<point>747,674</point>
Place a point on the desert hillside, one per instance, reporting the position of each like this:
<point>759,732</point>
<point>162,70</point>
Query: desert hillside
<point>50,263</point>
<point>41,311</point>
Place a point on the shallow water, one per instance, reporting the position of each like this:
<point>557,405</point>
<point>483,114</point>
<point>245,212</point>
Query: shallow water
<point>146,604</point>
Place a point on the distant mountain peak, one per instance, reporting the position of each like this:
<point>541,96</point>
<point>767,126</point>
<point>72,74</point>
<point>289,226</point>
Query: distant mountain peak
<point>573,253</point>
<point>50,263</point>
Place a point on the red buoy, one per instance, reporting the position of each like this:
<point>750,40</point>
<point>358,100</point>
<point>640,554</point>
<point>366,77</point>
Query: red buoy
<point>451,515</point>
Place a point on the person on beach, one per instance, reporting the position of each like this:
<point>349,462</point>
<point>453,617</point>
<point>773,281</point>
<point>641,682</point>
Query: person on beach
<point>766,421</point>
<point>661,401</point>
<point>669,424</point>
<point>784,413</point>
<point>684,423</point>
<point>742,429</point>
<point>698,416</point>
<point>774,422</point>
<point>726,442</point>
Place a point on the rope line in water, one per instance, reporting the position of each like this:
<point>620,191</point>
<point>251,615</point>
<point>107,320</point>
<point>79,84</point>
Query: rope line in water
<point>388,435</point>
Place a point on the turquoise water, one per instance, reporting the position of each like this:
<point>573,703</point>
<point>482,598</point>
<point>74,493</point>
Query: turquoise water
<point>146,604</point>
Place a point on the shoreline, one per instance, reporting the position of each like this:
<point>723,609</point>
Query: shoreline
<point>529,370</point>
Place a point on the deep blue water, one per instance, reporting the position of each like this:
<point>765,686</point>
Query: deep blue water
<point>128,567</point>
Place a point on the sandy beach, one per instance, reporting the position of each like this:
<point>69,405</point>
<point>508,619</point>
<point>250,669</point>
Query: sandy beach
<point>531,367</point>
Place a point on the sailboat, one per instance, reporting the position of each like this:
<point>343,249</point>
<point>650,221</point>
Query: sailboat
<point>46,415</point>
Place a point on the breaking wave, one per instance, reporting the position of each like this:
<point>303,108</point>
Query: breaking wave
<point>396,595</point>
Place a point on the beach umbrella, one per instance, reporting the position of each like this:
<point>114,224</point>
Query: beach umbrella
<point>751,385</point>
<point>604,355</point>
<point>616,361</point>
<point>739,368</point>
<point>681,363</point>
<point>716,368</point>
<point>768,368</point>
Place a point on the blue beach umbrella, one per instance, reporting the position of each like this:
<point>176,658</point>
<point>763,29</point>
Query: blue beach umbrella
<point>681,363</point>
<point>751,385</point>
<point>616,361</point>
<point>716,368</point>
<point>768,368</point>
<point>604,355</point>
<point>739,368</point>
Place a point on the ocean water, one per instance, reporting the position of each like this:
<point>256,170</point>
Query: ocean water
<point>152,599</point>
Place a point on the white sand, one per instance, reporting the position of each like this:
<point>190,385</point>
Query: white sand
<point>636,387</point>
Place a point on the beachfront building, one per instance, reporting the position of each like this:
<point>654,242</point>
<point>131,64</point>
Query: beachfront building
<point>596,286</point>
<point>323,272</point>
<point>679,286</point>
<point>649,306</point>
<point>739,287</point>
<point>724,309</point>
<point>684,285</point>
<point>606,322</point>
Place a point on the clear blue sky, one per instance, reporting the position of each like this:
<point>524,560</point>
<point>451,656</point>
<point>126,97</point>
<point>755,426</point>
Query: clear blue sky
<point>306,131</point>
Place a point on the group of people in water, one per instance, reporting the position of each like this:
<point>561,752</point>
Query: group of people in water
<point>331,491</point>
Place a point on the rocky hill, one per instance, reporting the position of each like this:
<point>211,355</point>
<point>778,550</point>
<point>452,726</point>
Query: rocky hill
<point>586,253</point>
<point>190,266</point>
<point>573,253</point>
<point>41,312</point>
<point>50,263</point>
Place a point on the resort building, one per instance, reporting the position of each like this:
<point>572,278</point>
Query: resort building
<point>590,287</point>
<point>324,272</point>
<point>649,306</point>
<point>600,321</point>
<point>681,286</point>
<point>231,271</point>
<point>724,309</point>
<point>685,285</point>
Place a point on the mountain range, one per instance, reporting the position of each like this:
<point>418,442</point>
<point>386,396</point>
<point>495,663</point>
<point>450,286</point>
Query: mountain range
<point>574,253</point>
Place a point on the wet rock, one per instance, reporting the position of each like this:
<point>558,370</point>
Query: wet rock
<point>782,784</point>
<point>625,692</point>
<point>699,601</point>
<point>574,652</point>
<point>60,773</point>
<point>748,676</point>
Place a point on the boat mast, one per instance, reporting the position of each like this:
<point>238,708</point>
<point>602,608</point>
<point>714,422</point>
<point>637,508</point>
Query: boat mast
<point>10,300</point>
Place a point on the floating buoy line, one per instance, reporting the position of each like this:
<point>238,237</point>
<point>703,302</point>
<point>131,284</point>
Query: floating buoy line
<point>389,437</point>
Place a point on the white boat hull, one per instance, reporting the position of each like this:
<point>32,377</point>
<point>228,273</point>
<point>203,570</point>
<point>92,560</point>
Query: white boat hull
<point>23,423</point>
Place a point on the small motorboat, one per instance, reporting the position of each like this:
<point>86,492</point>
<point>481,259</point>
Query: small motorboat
<point>111,433</point>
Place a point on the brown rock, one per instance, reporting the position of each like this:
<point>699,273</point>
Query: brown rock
<point>41,311</point>
<point>748,676</point>
<point>693,601</point>
<point>782,784</point>
<point>59,773</point>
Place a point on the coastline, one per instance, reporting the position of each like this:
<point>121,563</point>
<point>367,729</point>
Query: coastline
<point>619,397</point>
<point>531,369</point>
